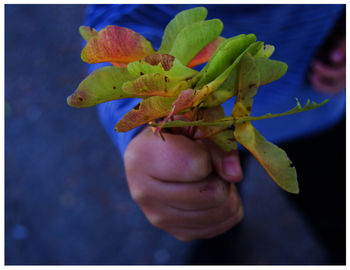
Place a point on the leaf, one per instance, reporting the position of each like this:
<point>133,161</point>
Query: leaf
<point>182,102</point>
<point>118,64</point>
<point>221,136</point>
<point>193,38</point>
<point>206,53</point>
<point>272,158</point>
<point>175,26</point>
<point>101,85</point>
<point>155,84</point>
<point>266,51</point>
<point>223,57</point>
<point>230,120</point>
<point>115,44</point>
<point>87,32</point>
<point>248,83</point>
<point>270,70</point>
<point>164,64</point>
<point>297,109</point>
<point>149,109</point>
<point>231,90</point>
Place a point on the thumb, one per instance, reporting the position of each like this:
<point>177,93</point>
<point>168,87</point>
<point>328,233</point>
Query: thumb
<point>226,164</point>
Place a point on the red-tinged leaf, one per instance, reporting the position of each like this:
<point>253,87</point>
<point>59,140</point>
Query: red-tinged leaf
<point>222,136</point>
<point>116,44</point>
<point>205,54</point>
<point>184,101</point>
<point>155,84</point>
<point>87,32</point>
<point>116,64</point>
<point>149,109</point>
<point>164,64</point>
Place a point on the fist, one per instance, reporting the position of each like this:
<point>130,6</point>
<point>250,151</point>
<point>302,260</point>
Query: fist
<point>184,186</point>
<point>329,76</point>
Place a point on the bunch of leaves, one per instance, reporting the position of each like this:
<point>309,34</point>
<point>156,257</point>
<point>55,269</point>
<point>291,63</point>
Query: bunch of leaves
<point>168,86</point>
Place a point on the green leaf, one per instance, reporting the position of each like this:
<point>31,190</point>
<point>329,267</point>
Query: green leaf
<point>193,38</point>
<point>101,85</point>
<point>155,84</point>
<point>164,64</point>
<point>248,83</point>
<point>230,88</point>
<point>223,57</point>
<point>272,158</point>
<point>230,120</point>
<point>270,70</point>
<point>266,51</point>
<point>221,136</point>
<point>175,26</point>
<point>87,32</point>
<point>149,109</point>
<point>297,109</point>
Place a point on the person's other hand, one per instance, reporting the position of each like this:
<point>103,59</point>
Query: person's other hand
<point>184,186</point>
<point>329,76</point>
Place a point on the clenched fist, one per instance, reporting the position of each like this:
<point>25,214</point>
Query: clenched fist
<point>184,186</point>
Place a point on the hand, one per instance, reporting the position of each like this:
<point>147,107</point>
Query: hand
<point>185,187</point>
<point>329,76</point>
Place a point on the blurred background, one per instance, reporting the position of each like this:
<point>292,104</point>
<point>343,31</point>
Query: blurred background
<point>66,197</point>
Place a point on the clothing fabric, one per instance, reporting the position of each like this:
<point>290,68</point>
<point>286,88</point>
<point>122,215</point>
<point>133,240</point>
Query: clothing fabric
<point>296,31</point>
<point>277,228</point>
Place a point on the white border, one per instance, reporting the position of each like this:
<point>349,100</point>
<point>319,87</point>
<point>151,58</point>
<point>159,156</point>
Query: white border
<point>2,81</point>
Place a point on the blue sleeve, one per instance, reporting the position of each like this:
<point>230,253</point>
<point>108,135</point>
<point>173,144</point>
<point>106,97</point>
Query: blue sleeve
<point>295,30</point>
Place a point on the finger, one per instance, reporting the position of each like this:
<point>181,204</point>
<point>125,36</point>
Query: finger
<point>165,217</point>
<point>193,196</point>
<point>334,73</point>
<point>209,232</point>
<point>178,159</point>
<point>226,164</point>
<point>326,86</point>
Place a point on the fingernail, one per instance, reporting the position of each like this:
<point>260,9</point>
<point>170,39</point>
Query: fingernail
<point>231,167</point>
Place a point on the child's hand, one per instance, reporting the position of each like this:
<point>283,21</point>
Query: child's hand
<point>329,76</point>
<point>184,187</point>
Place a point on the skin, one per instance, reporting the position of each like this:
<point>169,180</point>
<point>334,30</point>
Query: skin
<point>185,187</point>
<point>329,78</point>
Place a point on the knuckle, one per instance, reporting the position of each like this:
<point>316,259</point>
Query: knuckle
<point>130,157</point>
<point>240,214</point>
<point>216,190</point>
<point>221,191</point>
<point>156,220</point>
<point>200,164</point>
<point>184,238</point>
<point>138,194</point>
<point>235,207</point>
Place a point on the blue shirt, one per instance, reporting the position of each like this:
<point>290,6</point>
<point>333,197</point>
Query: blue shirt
<point>296,31</point>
